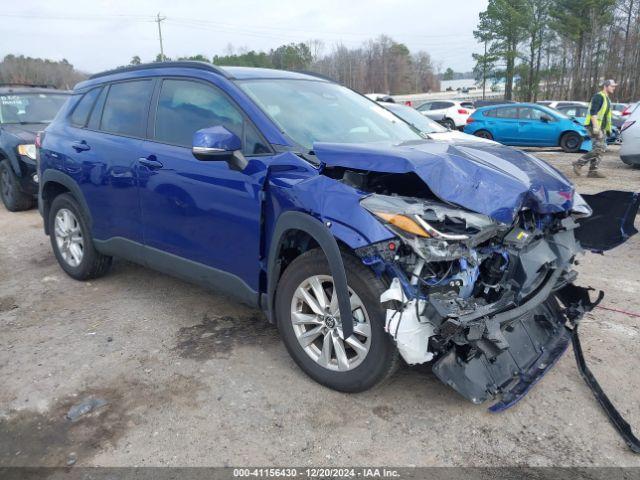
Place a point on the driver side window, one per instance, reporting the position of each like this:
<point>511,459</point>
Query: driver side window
<point>185,107</point>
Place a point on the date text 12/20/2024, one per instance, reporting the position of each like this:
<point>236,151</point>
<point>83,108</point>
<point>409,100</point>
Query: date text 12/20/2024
<point>316,472</point>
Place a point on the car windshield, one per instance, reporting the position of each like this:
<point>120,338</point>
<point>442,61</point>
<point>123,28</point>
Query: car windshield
<point>30,107</point>
<point>415,118</point>
<point>311,111</point>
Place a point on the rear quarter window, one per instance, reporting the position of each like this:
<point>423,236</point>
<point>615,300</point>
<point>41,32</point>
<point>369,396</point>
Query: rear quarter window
<point>81,113</point>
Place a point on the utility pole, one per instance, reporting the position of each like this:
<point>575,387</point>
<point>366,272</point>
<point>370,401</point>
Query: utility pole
<point>158,20</point>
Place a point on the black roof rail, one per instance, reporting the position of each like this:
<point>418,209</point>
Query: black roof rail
<point>176,64</point>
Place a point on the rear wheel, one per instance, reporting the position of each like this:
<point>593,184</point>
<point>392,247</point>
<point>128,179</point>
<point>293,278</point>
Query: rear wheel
<point>71,240</point>
<point>570,142</point>
<point>450,124</point>
<point>484,134</point>
<point>310,325</point>
<point>13,198</point>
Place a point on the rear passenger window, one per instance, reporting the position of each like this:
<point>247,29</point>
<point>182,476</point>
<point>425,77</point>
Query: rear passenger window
<point>490,113</point>
<point>81,113</point>
<point>185,107</point>
<point>510,112</point>
<point>125,110</point>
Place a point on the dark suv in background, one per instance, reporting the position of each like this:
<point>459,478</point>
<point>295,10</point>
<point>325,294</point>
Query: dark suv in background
<point>24,110</point>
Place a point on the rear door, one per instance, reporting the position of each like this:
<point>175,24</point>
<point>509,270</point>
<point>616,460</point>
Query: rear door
<point>533,130</point>
<point>202,211</point>
<point>505,128</point>
<point>104,155</point>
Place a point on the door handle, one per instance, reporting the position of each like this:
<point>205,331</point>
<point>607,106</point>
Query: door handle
<point>80,146</point>
<point>150,162</point>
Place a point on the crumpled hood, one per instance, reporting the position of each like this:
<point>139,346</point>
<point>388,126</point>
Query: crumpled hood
<point>491,179</point>
<point>26,133</point>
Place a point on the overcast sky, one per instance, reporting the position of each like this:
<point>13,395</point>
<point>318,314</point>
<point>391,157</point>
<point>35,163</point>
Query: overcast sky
<point>96,35</point>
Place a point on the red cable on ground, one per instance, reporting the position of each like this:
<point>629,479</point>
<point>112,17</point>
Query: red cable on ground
<point>631,314</point>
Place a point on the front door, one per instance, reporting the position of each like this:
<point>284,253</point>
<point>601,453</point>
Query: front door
<point>535,131</point>
<point>200,211</point>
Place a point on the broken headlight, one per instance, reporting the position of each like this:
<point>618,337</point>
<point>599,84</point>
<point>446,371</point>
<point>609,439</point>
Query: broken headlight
<point>427,219</point>
<point>435,231</point>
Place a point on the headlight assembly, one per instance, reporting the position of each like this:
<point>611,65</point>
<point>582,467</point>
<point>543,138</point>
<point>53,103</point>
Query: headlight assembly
<point>428,219</point>
<point>27,150</point>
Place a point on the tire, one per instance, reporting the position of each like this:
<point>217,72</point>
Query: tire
<point>381,359</point>
<point>484,134</point>
<point>82,266</point>
<point>570,142</point>
<point>450,124</point>
<point>14,199</point>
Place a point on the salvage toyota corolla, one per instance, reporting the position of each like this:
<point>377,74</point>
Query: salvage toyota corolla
<point>362,239</point>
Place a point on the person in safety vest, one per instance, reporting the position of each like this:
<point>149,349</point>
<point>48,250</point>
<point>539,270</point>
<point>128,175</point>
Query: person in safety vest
<point>598,123</point>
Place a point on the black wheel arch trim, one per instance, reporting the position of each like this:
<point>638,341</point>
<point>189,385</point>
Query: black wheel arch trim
<point>56,176</point>
<point>321,234</point>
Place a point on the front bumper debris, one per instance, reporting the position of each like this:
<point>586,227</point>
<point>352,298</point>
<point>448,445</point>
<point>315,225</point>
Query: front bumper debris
<point>536,341</point>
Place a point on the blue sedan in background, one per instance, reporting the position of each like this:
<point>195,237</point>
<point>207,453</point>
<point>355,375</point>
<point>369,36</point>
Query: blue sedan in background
<point>528,125</point>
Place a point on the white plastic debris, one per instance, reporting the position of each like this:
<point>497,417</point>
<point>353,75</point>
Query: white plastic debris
<point>410,331</point>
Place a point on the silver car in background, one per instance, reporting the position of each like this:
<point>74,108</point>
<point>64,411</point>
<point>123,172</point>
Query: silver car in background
<point>630,150</point>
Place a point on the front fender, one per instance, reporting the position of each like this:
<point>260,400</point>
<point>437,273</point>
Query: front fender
<point>322,235</point>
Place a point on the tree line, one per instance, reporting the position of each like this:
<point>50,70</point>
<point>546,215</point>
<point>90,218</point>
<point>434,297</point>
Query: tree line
<point>39,71</point>
<point>560,49</point>
<point>379,65</point>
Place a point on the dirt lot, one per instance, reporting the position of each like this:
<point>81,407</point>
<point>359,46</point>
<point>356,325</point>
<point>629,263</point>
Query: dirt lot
<point>192,378</point>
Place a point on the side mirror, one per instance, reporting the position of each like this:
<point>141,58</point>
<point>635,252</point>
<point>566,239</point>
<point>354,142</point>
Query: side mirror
<point>219,144</point>
<point>215,143</point>
<point>546,118</point>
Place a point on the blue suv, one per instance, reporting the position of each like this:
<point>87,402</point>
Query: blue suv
<point>364,240</point>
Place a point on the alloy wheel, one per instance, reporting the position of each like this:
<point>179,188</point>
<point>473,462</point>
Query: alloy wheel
<point>317,325</point>
<point>68,235</point>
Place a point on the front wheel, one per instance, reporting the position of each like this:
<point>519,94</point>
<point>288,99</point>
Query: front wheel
<point>14,199</point>
<point>570,142</point>
<point>310,325</point>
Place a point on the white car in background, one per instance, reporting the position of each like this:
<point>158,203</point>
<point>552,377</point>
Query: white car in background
<point>452,114</point>
<point>630,150</point>
<point>562,103</point>
<point>429,127</point>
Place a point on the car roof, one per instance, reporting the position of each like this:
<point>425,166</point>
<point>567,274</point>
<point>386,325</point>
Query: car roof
<point>17,88</point>
<point>231,73</point>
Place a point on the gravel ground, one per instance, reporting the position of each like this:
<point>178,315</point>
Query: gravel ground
<point>193,378</point>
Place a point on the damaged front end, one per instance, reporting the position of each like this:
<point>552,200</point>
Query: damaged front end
<point>474,295</point>
<point>480,258</point>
